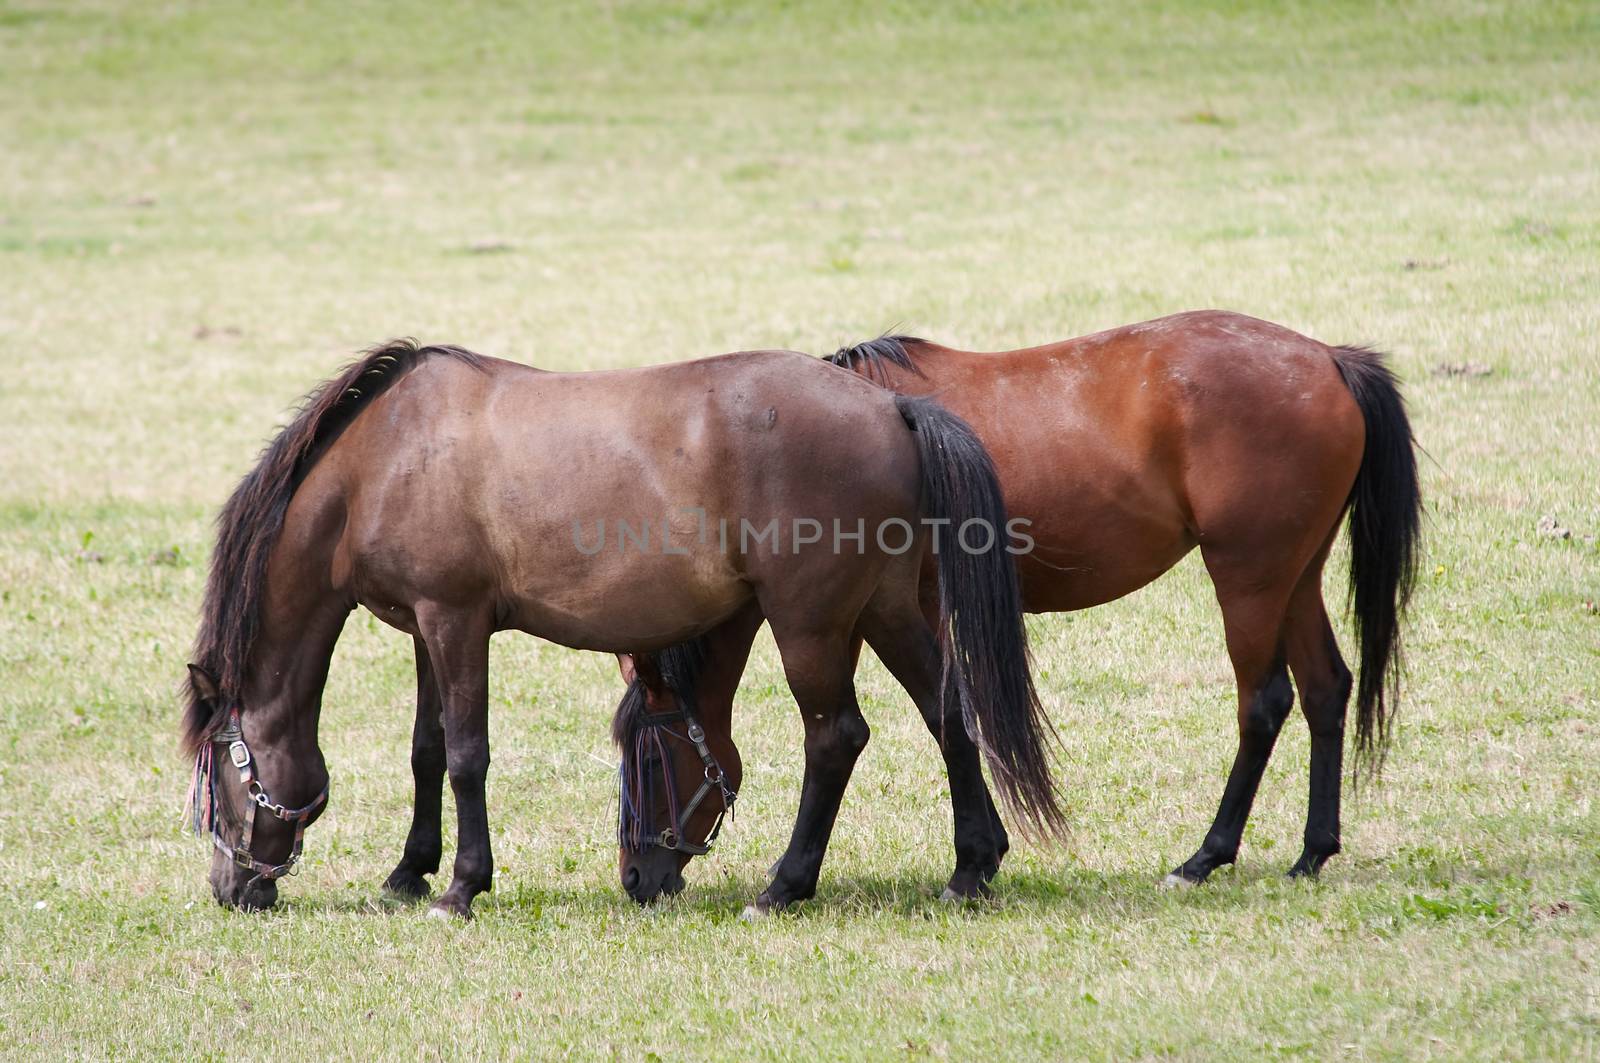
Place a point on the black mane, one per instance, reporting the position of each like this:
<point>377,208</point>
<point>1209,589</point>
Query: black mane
<point>250,523</point>
<point>873,357</point>
<point>680,667</point>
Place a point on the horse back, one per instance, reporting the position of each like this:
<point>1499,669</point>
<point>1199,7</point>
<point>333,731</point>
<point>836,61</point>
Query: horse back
<point>1128,447</point>
<point>499,482</point>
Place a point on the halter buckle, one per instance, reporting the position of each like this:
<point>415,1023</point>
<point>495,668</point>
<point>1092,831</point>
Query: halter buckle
<point>239,754</point>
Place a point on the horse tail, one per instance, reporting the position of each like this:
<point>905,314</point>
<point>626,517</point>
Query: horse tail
<point>1385,531</point>
<point>983,641</point>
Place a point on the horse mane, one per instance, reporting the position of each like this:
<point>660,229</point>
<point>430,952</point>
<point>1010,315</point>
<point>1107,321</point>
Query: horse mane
<point>874,357</point>
<point>250,523</point>
<point>680,667</point>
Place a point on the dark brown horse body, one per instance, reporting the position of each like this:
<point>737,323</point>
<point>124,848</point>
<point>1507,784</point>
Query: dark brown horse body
<point>1128,448</point>
<point>455,496</point>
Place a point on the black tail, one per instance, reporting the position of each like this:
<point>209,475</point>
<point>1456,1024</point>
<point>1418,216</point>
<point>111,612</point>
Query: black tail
<point>984,641</point>
<point>1385,527</point>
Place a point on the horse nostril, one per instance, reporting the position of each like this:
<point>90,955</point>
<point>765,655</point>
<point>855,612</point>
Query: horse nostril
<point>630,881</point>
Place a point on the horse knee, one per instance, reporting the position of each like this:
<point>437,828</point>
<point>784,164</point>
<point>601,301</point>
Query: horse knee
<point>852,733</point>
<point>468,768</point>
<point>845,735</point>
<point>428,761</point>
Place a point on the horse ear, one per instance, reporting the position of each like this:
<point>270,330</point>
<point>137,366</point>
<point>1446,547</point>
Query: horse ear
<point>205,684</point>
<point>624,665</point>
<point>645,670</point>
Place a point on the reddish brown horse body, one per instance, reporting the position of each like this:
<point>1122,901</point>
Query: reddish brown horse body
<point>1128,448</point>
<point>455,496</point>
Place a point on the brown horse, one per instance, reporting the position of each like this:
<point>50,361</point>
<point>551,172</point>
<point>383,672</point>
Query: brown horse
<point>454,495</point>
<point>1129,448</point>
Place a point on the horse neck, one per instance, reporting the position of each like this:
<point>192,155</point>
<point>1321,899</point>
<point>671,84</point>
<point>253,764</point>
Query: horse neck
<point>302,615</point>
<point>727,652</point>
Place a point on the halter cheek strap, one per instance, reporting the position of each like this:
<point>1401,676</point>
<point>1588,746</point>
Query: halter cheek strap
<point>714,780</point>
<point>232,736</point>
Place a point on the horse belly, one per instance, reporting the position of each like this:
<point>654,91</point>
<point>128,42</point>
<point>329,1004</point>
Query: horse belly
<point>1080,568</point>
<point>1095,537</point>
<point>622,596</point>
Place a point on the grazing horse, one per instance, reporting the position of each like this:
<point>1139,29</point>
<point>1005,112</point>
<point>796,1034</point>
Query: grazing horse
<point>455,495</point>
<point>1128,448</point>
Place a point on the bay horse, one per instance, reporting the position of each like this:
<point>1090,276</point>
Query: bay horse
<point>1128,448</point>
<point>446,491</point>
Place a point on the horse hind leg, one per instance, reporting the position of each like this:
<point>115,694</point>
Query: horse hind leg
<point>1253,618</point>
<point>1324,682</point>
<point>819,670</point>
<point>424,843</point>
<point>904,641</point>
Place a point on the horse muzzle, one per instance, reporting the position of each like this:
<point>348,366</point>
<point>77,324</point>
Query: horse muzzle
<point>646,876</point>
<point>245,893</point>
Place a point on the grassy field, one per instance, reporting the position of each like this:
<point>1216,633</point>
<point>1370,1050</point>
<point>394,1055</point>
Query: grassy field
<point>205,208</point>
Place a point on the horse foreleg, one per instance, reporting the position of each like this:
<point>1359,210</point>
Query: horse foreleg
<point>458,648</point>
<point>423,842</point>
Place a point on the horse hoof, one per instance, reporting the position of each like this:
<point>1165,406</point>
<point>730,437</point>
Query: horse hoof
<point>442,909</point>
<point>761,908</point>
<point>966,886</point>
<point>1176,881</point>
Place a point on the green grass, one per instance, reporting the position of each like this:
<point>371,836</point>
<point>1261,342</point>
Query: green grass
<point>205,208</point>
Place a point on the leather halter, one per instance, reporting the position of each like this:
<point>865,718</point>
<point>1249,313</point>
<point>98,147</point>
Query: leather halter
<point>232,736</point>
<point>672,837</point>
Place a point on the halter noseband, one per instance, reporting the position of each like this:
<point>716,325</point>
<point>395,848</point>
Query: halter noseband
<point>634,806</point>
<point>232,736</point>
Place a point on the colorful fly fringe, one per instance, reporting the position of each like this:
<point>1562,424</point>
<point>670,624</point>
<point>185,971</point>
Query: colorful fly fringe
<point>636,804</point>
<point>201,804</point>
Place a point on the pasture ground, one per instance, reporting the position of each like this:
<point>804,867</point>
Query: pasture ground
<point>205,208</point>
